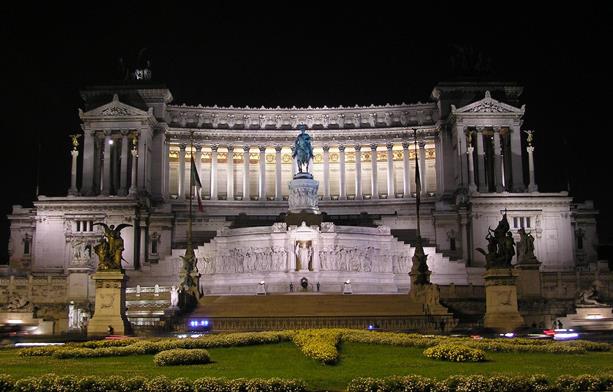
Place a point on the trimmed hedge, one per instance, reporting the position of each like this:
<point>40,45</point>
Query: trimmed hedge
<point>182,356</point>
<point>54,383</point>
<point>455,353</point>
<point>319,344</point>
<point>479,383</point>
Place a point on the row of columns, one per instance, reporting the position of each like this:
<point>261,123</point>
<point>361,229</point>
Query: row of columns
<point>508,173</point>
<point>90,163</point>
<point>262,195</point>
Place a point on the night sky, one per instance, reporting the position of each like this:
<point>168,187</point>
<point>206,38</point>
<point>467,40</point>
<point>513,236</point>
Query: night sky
<point>311,55</point>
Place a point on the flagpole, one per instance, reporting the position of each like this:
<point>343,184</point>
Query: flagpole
<point>191,190</point>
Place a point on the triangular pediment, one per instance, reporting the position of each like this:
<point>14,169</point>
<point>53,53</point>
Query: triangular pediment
<point>487,105</point>
<point>115,109</point>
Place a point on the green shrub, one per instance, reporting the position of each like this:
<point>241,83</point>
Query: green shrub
<point>43,351</point>
<point>6,383</point>
<point>181,356</point>
<point>455,353</point>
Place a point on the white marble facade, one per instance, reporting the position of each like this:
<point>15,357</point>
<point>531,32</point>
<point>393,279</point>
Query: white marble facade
<point>135,169</point>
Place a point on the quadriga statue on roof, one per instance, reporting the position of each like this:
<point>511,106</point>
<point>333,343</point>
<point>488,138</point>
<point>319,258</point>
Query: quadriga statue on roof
<point>303,150</point>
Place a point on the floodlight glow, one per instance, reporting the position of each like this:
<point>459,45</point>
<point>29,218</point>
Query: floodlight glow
<point>14,321</point>
<point>594,317</point>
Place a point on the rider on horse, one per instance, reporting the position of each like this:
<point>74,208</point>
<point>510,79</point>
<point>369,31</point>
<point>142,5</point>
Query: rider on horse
<point>303,151</point>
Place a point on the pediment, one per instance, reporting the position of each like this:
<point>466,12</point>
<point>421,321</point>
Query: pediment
<point>488,105</point>
<point>115,109</point>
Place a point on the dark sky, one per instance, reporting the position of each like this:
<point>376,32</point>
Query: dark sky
<point>310,55</point>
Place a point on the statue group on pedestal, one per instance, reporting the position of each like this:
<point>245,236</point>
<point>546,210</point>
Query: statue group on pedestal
<point>110,248</point>
<point>500,245</point>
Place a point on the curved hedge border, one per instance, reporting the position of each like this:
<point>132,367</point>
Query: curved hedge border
<point>478,383</point>
<point>319,344</point>
<point>54,383</point>
<point>182,356</point>
<point>455,353</point>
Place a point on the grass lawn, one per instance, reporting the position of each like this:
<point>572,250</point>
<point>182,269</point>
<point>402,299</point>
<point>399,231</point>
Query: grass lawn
<point>286,361</point>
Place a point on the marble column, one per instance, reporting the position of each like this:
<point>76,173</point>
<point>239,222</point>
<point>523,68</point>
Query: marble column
<point>464,234</point>
<point>341,175</point>
<point>73,191</point>
<point>422,167</point>
<point>262,174</point>
<point>472,187</point>
<point>88,163</point>
<point>123,172</point>
<point>278,178</point>
<point>391,192</point>
<point>358,172</point>
<point>482,185</point>
<point>374,189</point>
<point>197,160</point>
<point>246,173</point>
<point>214,148</point>
<point>166,167</point>
<point>326,157</point>
<point>106,179</point>
<point>463,137</point>
<point>532,187</point>
<point>516,160</point>
<point>181,172</point>
<point>133,189</point>
<point>230,173</point>
<point>497,161</point>
<point>406,183</point>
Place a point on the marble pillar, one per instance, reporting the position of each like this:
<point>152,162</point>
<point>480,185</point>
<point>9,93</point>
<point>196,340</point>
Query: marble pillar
<point>88,163</point>
<point>482,185</point>
<point>123,172</point>
<point>374,188</point>
<point>214,148</point>
<point>197,160</point>
<point>341,175</point>
<point>73,191</point>
<point>230,173</point>
<point>181,172</point>
<point>278,178</point>
<point>358,172</point>
<point>497,161</point>
<point>326,159</point>
<point>422,167</point>
<point>246,173</point>
<point>391,191</point>
<point>532,187</point>
<point>262,174</point>
<point>106,177</point>
<point>406,182</point>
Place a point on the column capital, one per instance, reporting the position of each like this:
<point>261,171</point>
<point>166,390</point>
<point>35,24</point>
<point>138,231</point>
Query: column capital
<point>480,129</point>
<point>107,132</point>
<point>530,149</point>
<point>214,147</point>
<point>405,145</point>
<point>262,148</point>
<point>125,132</point>
<point>246,148</point>
<point>496,129</point>
<point>373,146</point>
<point>230,147</point>
<point>74,153</point>
<point>326,147</point>
<point>341,148</point>
<point>469,150</point>
<point>422,144</point>
<point>198,146</point>
<point>389,145</point>
<point>278,148</point>
<point>358,147</point>
<point>182,146</point>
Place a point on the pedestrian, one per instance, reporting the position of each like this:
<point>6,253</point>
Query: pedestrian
<point>318,287</point>
<point>110,330</point>
<point>291,287</point>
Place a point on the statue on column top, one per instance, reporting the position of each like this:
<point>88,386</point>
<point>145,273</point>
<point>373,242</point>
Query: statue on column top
<point>530,137</point>
<point>75,140</point>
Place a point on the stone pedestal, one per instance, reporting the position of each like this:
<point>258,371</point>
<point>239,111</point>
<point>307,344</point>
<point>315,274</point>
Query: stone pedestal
<point>110,307</point>
<point>529,280</point>
<point>303,201</point>
<point>501,312</point>
<point>303,195</point>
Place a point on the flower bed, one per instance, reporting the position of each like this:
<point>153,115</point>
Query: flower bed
<point>182,356</point>
<point>455,353</point>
